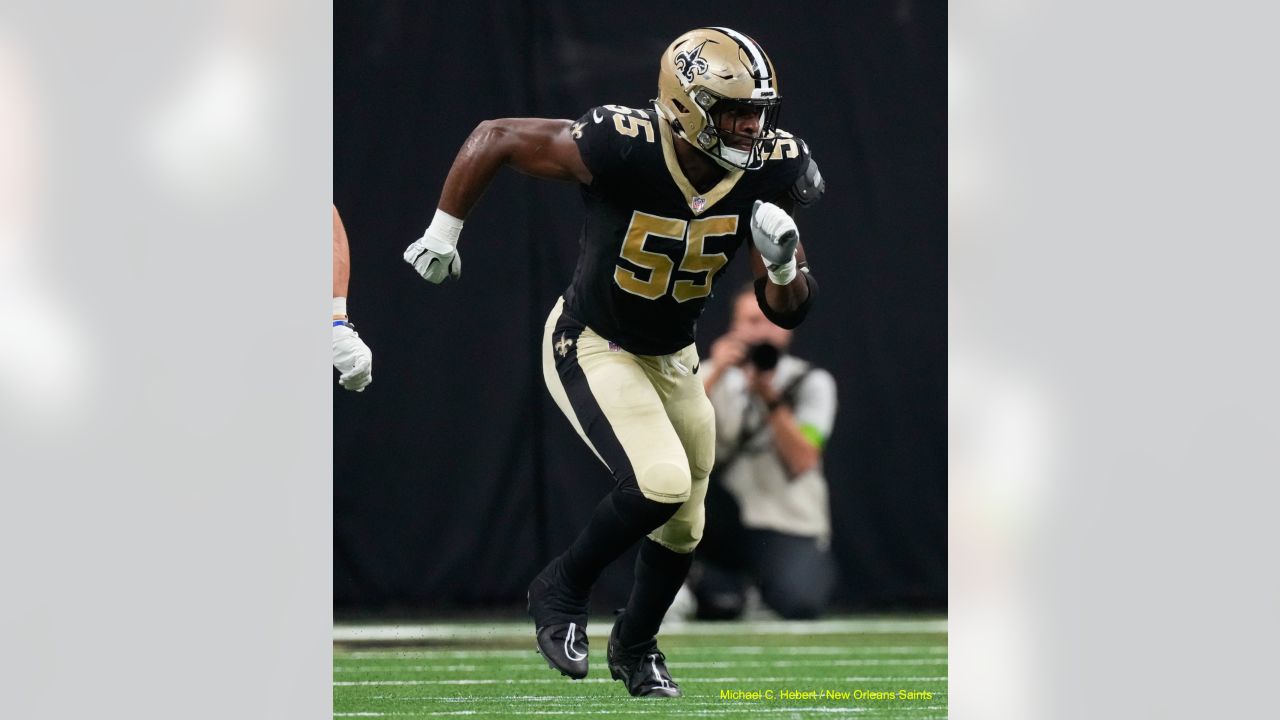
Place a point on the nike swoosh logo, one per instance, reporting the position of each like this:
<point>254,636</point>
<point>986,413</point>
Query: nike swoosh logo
<point>595,115</point>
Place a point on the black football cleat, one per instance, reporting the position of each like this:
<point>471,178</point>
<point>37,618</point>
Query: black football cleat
<point>560,619</point>
<point>641,667</point>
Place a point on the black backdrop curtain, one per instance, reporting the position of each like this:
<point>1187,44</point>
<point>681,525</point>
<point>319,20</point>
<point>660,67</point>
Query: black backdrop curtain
<point>455,476</point>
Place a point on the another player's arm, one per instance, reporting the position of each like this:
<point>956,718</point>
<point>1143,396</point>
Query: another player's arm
<point>341,260</point>
<point>539,147</point>
<point>350,355</point>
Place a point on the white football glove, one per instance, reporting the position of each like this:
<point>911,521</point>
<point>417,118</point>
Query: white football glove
<point>434,260</point>
<point>774,232</point>
<point>352,358</point>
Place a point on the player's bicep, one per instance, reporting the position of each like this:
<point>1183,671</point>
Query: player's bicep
<point>545,148</point>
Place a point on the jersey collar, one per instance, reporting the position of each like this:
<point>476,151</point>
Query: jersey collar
<point>698,202</point>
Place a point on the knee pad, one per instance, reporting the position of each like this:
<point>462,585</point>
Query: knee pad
<point>683,531</point>
<point>702,448</point>
<point>665,482</point>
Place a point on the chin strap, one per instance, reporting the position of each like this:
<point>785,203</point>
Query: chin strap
<point>790,319</point>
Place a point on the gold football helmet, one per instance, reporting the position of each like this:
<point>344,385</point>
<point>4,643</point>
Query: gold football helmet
<point>710,71</point>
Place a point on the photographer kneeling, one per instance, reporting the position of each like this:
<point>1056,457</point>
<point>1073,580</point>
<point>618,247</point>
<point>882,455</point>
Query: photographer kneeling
<point>767,512</point>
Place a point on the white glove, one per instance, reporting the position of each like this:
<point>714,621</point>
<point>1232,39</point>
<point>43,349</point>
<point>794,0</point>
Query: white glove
<point>435,262</point>
<point>435,254</point>
<point>774,232</point>
<point>352,358</point>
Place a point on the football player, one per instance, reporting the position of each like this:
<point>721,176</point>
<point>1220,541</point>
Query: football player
<point>672,193</point>
<point>351,356</point>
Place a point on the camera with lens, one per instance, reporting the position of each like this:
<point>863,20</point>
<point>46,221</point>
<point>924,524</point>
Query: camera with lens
<point>764,356</point>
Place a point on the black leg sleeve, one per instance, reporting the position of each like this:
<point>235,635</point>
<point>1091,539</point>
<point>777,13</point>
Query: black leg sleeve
<point>659,574</point>
<point>619,520</point>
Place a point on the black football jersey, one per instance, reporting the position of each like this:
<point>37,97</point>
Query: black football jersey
<point>652,246</point>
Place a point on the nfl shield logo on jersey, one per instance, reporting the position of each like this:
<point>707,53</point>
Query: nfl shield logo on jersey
<point>699,203</point>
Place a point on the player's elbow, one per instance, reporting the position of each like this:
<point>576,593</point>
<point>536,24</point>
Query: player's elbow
<point>788,318</point>
<point>490,137</point>
<point>490,129</point>
<point>785,319</point>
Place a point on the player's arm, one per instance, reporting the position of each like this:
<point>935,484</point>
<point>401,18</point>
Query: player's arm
<point>350,355</point>
<point>341,262</point>
<point>535,146</point>
<point>784,287</point>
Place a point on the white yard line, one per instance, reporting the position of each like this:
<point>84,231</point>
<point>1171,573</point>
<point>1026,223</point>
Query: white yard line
<point>430,654</point>
<point>675,665</point>
<point>390,654</point>
<point>733,708</point>
<point>578,701</point>
<point>822,650</point>
<point>561,681</point>
<point>408,632</point>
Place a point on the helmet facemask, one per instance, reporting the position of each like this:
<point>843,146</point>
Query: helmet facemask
<point>721,140</point>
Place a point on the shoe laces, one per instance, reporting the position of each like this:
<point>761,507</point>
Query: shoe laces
<point>639,654</point>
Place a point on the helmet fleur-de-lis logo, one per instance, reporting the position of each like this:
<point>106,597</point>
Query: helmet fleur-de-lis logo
<point>691,62</point>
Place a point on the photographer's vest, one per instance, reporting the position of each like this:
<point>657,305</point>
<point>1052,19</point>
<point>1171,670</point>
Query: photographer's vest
<point>756,475</point>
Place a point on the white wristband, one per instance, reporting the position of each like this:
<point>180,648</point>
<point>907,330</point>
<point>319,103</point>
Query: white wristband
<point>444,228</point>
<point>782,274</point>
<point>339,307</point>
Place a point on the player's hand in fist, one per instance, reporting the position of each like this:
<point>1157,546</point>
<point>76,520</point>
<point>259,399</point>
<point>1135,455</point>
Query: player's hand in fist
<point>435,261</point>
<point>351,357</point>
<point>774,233</point>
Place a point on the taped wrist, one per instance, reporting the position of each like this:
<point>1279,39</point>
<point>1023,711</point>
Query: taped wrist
<point>782,274</point>
<point>339,308</point>
<point>791,319</point>
<point>442,234</point>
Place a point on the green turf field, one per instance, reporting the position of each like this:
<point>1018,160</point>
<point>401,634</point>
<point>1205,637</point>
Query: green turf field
<point>726,670</point>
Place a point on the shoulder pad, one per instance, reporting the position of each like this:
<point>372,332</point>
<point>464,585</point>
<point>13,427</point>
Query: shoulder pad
<point>810,186</point>
<point>605,133</point>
